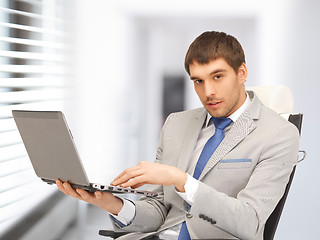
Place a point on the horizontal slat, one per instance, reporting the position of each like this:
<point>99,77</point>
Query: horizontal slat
<point>14,166</point>
<point>33,56</point>
<point>13,203</point>
<point>17,180</point>
<point>34,2</point>
<point>57,3</point>
<point>36,43</point>
<point>12,152</point>
<point>32,69</point>
<point>20,188</point>
<point>32,82</point>
<point>8,223</point>
<point>31,96</point>
<point>9,197</point>
<point>41,3</point>
<point>32,15</point>
<point>9,138</point>
<point>6,111</point>
<point>33,29</point>
<point>7,125</point>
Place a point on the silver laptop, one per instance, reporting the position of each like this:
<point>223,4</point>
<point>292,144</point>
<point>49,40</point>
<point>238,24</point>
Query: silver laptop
<point>53,154</point>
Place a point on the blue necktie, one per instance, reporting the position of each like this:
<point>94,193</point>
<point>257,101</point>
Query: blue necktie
<point>207,151</point>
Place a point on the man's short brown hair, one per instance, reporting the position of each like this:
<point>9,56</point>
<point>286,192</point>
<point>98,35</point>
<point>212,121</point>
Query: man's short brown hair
<point>213,45</point>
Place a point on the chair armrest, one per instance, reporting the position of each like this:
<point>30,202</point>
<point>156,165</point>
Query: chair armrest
<point>110,233</point>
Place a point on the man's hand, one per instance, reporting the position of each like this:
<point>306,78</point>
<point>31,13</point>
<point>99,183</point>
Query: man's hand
<point>106,201</point>
<point>151,173</point>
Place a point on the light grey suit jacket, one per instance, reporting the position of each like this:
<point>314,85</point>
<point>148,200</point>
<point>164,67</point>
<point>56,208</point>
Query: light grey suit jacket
<point>239,187</point>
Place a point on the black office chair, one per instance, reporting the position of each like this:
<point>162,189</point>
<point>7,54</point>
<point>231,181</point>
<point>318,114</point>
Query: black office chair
<point>280,99</point>
<point>115,235</point>
<point>273,220</point>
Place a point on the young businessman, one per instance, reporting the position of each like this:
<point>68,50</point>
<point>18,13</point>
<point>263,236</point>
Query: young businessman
<point>214,181</point>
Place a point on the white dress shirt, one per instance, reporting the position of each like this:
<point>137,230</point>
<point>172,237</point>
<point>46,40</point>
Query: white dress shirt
<point>127,213</point>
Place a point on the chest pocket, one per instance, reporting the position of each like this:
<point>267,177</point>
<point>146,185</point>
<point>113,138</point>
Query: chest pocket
<point>234,163</point>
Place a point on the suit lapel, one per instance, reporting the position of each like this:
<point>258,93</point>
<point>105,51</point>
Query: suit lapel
<point>190,139</point>
<point>239,130</point>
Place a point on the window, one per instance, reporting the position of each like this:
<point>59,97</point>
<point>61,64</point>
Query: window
<point>33,75</point>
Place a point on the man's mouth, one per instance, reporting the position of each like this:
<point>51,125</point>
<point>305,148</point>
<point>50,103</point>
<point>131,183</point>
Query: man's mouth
<point>213,104</point>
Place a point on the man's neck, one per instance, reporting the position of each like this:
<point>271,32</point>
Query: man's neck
<point>234,116</point>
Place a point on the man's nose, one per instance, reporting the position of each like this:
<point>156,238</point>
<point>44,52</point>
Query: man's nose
<point>210,89</point>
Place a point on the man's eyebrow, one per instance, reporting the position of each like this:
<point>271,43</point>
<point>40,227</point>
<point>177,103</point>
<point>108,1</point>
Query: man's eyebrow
<point>217,71</point>
<point>194,78</point>
<point>212,73</point>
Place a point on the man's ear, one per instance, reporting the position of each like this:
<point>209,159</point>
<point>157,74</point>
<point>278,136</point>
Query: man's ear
<point>242,73</point>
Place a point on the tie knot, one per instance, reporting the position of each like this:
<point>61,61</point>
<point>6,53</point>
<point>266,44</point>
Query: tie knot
<point>221,123</point>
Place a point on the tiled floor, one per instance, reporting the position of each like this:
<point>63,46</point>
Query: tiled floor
<point>87,227</point>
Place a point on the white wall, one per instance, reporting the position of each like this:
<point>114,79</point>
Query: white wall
<point>299,70</point>
<point>102,96</point>
<point>123,48</point>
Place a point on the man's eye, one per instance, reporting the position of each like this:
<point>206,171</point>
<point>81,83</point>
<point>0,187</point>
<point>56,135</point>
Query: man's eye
<point>198,81</point>
<point>217,76</point>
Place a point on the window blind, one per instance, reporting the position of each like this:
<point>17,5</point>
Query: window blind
<point>33,76</point>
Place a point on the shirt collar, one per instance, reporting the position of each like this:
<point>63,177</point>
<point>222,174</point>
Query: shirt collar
<point>234,116</point>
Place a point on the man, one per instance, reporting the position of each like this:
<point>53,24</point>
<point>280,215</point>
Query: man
<point>214,181</point>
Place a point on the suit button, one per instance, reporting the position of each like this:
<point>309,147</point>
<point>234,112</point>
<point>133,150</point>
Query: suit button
<point>212,221</point>
<point>189,215</point>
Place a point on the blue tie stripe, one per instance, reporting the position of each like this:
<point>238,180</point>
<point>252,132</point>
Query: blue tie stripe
<point>207,151</point>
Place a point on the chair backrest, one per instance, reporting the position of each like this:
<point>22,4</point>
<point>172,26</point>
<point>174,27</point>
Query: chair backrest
<point>280,99</point>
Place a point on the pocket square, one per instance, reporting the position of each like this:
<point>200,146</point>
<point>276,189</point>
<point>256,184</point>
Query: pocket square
<point>235,160</point>
<point>235,163</point>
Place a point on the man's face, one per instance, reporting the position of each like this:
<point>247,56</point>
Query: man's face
<point>219,87</point>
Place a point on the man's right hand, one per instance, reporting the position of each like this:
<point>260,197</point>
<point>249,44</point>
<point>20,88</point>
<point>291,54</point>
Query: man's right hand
<point>104,200</point>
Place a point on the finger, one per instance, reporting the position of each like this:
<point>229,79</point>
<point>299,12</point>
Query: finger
<point>98,195</point>
<point>137,185</point>
<point>60,187</point>
<point>70,191</point>
<point>128,170</point>
<point>136,181</point>
<point>86,196</point>
<point>121,175</point>
<point>128,175</point>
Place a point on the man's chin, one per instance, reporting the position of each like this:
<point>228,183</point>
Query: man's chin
<point>216,114</point>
